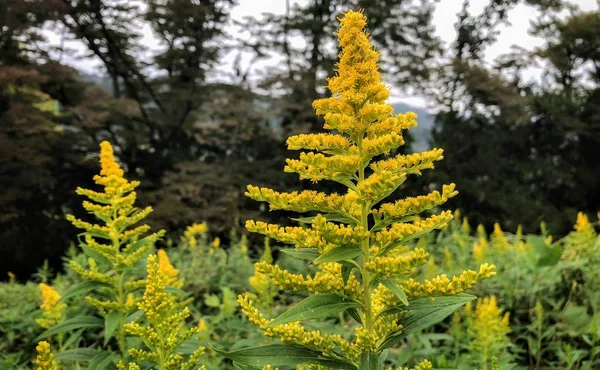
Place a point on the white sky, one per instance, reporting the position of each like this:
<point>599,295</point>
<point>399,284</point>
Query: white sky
<point>444,19</point>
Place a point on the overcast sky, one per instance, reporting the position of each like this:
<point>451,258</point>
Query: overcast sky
<point>444,19</point>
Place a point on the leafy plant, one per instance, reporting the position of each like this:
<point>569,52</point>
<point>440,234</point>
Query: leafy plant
<point>357,242</point>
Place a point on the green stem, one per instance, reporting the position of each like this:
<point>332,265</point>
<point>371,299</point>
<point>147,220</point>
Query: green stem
<point>364,221</point>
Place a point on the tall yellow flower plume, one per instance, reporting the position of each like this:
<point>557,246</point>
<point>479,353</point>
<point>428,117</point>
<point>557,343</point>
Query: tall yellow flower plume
<point>357,240</point>
<point>51,308</point>
<point>115,243</point>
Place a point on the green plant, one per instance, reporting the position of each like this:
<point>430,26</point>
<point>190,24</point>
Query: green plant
<point>357,242</point>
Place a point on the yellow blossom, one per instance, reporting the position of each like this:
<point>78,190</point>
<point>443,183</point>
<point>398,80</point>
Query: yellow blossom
<point>192,232</point>
<point>51,307</point>
<point>169,273</point>
<point>216,242</point>
<point>45,357</point>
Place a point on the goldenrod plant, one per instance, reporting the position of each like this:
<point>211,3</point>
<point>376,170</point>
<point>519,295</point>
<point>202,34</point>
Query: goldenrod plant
<point>166,329</point>
<point>116,247</point>
<point>358,241</point>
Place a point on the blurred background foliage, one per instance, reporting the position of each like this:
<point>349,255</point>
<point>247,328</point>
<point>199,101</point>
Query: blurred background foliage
<point>521,151</point>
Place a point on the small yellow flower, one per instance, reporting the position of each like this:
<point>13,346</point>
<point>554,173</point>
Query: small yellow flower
<point>12,277</point>
<point>216,243</point>
<point>51,308</point>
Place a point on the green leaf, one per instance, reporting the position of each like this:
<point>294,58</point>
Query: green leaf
<point>111,323</point>
<point>302,253</point>
<point>134,316</point>
<point>72,324</point>
<point>547,255</point>
<point>369,361</point>
<point>91,252</point>
<point>345,252</point>
<point>81,288</point>
<point>424,313</point>
<point>394,288</point>
<point>353,312</point>
<point>102,360</point>
<point>346,270</point>
<point>77,354</point>
<point>314,307</point>
<point>280,355</point>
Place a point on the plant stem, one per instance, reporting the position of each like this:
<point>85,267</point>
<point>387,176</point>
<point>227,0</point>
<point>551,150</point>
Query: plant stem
<point>364,220</point>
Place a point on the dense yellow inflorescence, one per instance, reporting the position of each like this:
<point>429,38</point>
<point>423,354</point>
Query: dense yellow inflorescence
<point>45,357</point>
<point>168,271</point>
<point>52,308</point>
<point>166,330</point>
<point>371,235</point>
<point>488,328</point>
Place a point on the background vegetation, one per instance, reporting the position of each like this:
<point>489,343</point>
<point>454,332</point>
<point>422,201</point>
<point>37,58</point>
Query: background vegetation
<point>521,151</point>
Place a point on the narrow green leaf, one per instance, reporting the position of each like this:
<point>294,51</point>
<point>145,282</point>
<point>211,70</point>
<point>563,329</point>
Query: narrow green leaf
<point>345,252</point>
<point>346,270</point>
<point>111,323</point>
<point>353,312</point>
<point>102,360</point>
<point>369,361</point>
<point>280,355</point>
<point>424,313</point>
<point>134,316</point>
<point>314,307</point>
<point>394,288</point>
<point>81,288</point>
<point>77,354</point>
<point>72,324</point>
<point>302,253</point>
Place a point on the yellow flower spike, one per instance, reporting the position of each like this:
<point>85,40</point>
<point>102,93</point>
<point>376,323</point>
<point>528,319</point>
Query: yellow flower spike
<point>480,249</point>
<point>117,240</point>
<point>51,308</point>
<point>216,242</point>
<point>165,330</point>
<point>357,242</point>
<point>169,273</point>
<point>489,329</point>
<point>12,277</point>
<point>45,357</point>
<point>499,240</point>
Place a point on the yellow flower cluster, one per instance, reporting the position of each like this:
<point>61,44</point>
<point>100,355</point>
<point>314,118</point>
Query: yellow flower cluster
<point>167,330</point>
<point>360,251</point>
<point>116,239</point>
<point>52,309</point>
<point>168,271</point>
<point>442,285</point>
<point>45,357</point>
<point>192,232</point>
<point>580,242</point>
<point>488,328</point>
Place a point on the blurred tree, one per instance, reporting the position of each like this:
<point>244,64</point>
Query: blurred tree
<point>520,151</point>
<point>304,39</point>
